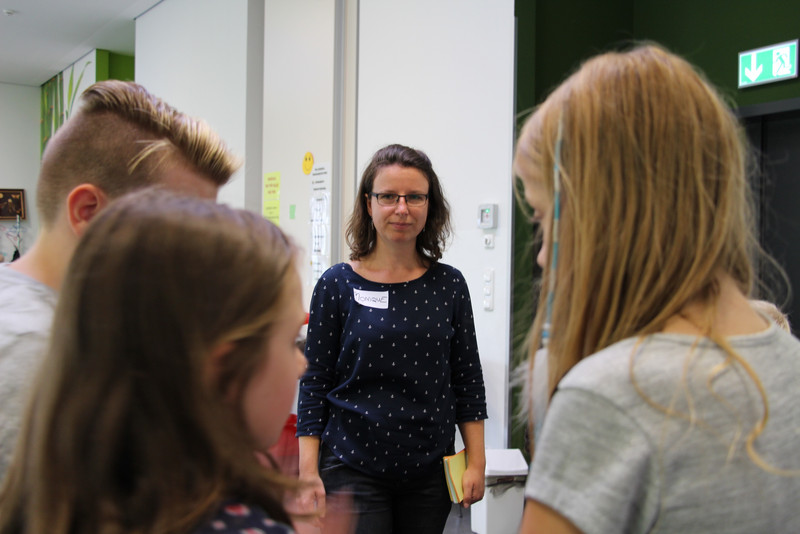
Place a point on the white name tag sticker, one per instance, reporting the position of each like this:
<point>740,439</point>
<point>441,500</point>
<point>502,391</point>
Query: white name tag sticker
<point>372,299</point>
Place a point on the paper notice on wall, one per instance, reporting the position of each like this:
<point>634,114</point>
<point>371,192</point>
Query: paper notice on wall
<point>271,197</point>
<point>320,221</point>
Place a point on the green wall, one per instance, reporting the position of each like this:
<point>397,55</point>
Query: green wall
<point>113,66</point>
<point>555,36</point>
<point>121,67</point>
<point>711,33</point>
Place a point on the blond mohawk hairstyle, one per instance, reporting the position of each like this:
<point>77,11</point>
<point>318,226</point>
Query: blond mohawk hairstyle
<point>123,138</point>
<point>193,137</point>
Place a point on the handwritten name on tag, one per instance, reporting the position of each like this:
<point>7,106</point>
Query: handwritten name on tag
<point>372,299</point>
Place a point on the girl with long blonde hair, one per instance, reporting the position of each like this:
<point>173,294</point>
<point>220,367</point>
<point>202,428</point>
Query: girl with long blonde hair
<point>673,404</point>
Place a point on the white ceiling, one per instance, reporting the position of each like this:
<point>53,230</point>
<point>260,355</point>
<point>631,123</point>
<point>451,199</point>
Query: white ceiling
<point>43,37</point>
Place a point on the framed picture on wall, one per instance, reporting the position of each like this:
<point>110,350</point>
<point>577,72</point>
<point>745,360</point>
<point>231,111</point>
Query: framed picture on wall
<point>12,204</point>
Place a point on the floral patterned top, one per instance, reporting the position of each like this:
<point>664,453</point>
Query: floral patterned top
<point>239,518</point>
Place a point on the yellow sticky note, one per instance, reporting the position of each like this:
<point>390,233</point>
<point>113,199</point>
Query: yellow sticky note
<point>271,197</point>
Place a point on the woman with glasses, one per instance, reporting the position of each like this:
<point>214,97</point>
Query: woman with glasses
<point>393,360</point>
<point>673,404</point>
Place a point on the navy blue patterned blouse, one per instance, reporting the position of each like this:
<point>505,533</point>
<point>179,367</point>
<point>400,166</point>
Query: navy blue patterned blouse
<point>391,369</point>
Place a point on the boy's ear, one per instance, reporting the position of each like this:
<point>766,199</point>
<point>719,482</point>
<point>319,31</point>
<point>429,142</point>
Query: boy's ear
<point>83,203</point>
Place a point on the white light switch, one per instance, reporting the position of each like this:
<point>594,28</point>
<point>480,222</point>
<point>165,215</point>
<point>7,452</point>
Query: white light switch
<point>488,289</point>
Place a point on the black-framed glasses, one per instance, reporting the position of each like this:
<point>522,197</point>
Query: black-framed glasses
<point>390,199</point>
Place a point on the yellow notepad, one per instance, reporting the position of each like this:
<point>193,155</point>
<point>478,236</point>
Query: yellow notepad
<point>454,467</point>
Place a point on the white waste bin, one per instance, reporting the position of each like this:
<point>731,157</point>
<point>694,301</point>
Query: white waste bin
<point>500,510</point>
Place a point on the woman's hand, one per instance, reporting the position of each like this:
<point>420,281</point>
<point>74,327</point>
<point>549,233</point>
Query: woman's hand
<point>310,499</point>
<point>311,495</point>
<point>473,483</point>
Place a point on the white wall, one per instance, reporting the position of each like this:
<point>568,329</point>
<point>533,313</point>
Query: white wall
<point>262,79</point>
<point>195,54</point>
<point>19,157</point>
<point>439,76</point>
<point>298,108</point>
<point>435,75</point>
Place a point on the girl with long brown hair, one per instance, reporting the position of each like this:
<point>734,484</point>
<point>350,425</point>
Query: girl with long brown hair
<point>172,365</point>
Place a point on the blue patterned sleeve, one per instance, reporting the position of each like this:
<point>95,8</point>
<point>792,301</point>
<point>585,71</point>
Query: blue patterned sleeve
<point>322,351</point>
<point>466,372</point>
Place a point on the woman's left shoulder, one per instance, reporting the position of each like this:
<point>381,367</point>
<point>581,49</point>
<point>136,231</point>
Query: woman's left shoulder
<point>236,517</point>
<point>443,269</point>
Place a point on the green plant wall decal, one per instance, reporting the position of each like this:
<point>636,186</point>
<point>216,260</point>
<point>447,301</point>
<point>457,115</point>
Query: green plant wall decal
<point>73,89</point>
<point>48,110</point>
<point>56,107</point>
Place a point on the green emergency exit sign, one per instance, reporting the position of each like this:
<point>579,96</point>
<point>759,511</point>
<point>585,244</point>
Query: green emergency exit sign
<point>768,64</point>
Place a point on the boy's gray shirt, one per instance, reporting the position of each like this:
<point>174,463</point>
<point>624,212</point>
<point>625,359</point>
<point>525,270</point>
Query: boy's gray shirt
<point>26,316</point>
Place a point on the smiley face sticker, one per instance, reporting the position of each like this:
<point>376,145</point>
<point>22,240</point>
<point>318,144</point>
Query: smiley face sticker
<point>308,162</point>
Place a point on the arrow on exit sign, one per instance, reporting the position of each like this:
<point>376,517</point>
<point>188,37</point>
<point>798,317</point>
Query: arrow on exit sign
<point>768,64</point>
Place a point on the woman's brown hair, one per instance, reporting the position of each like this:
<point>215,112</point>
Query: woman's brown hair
<point>360,232</point>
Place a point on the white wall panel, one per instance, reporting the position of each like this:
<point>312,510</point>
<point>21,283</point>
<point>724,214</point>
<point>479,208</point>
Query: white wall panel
<point>298,109</point>
<point>19,157</point>
<point>194,55</point>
